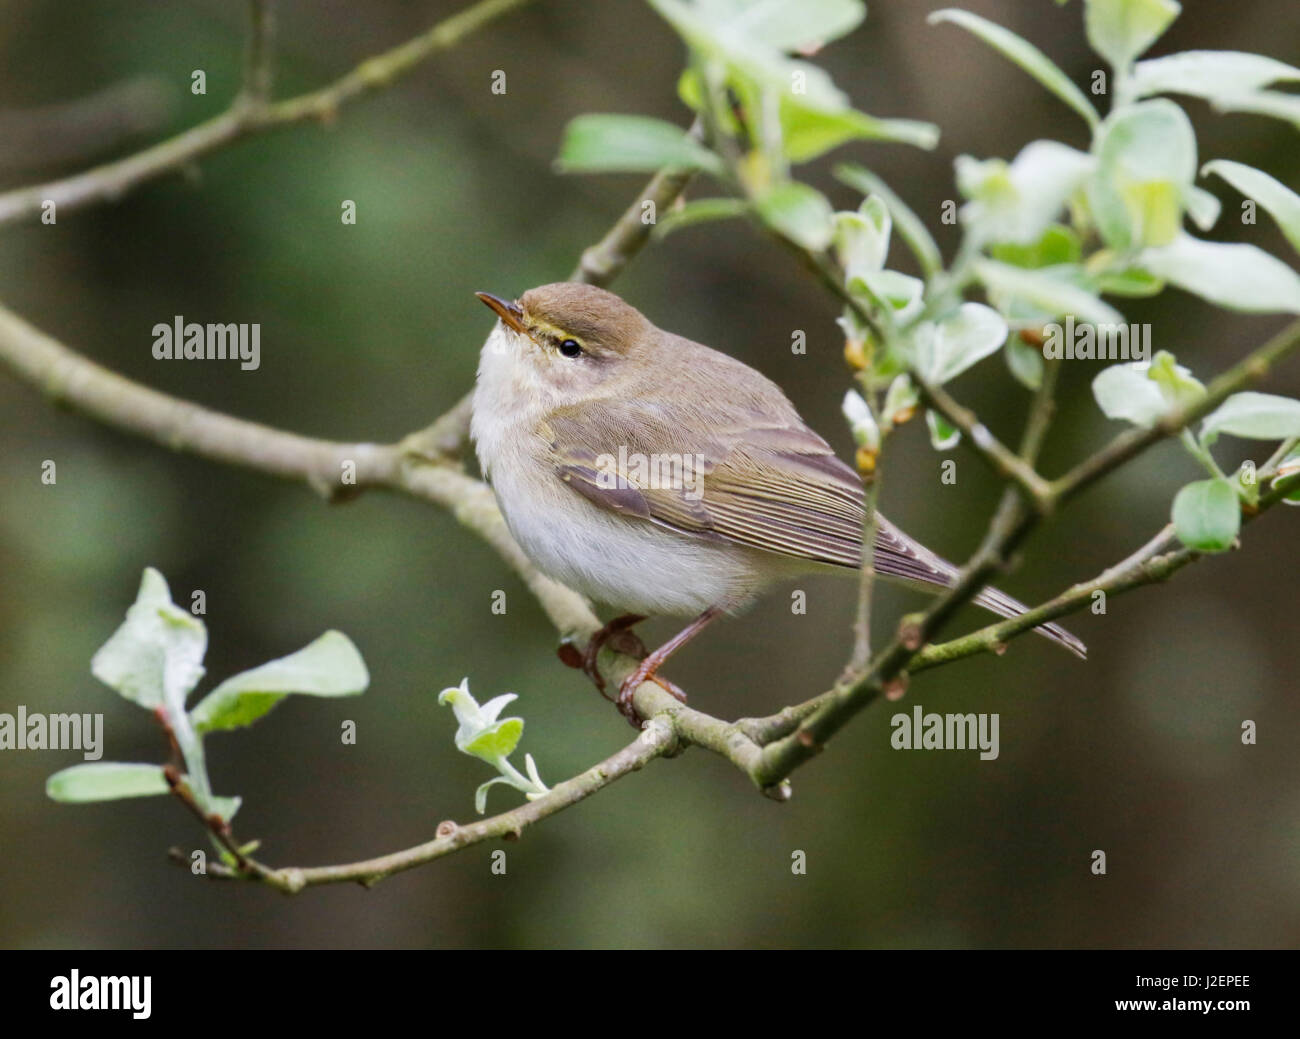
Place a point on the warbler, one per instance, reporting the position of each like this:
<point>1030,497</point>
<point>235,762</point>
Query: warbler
<point>662,477</point>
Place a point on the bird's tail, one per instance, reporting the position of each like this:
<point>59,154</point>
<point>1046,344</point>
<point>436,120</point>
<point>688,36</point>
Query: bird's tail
<point>902,558</point>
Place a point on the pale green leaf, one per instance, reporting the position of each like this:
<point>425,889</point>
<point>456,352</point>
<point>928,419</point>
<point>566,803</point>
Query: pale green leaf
<point>1124,392</point>
<point>1017,202</point>
<point>807,131</point>
<point>106,781</point>
<point>862,238</point>
<point>497,740</point>
<point>1263,102</point>
<point>631,144</point>
<point>960,340</point>
<point>714,35</point>
<point>1207,515</point>
<point>480,795</point>
<point>943,437</point>
<point>1046,290</point>
<point>910,226</point>
<point>329,666</point>
<point>798,212</point>
<point>1213,75</point>
<point>156,657</point>
<point>1120,30</point>
<point>787,25</point>
<point>1278,200</point>
<point>1146,162</point>
<point>1236,276</point>
<point>1256,416</point>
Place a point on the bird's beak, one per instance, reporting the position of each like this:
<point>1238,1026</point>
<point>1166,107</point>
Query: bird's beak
<point>511,313</point>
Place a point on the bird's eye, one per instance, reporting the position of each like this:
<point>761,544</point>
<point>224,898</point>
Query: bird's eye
<point>570,348</point>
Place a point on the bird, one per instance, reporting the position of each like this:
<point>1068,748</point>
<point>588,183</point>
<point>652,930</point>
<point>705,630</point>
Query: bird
<point>665,478</point>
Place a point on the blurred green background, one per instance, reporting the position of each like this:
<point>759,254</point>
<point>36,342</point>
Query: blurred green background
<point>370,331</point>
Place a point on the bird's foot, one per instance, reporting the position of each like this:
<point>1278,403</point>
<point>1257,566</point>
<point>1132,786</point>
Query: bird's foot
<point>620,637</point>
<point>645,672</point>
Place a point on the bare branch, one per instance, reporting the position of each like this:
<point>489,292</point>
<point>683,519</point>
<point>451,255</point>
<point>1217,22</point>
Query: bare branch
<point>248,115</point>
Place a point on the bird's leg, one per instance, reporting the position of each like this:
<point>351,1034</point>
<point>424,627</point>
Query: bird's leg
<point>645,671</point>
<point>624,639</point>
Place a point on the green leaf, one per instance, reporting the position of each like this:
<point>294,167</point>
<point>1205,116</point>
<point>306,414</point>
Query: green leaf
<point>156,657</point>
<point>106,781</point>
<point>480,795</point>
<point>1179,387</point>
<point>1213,75</point>
<point>901,294</point>
<point>787,25</point>
<point>807,132</point>
<point>1124,392</point>
<point>866,433</point>
<point>901,400</point>
<point>798,212</point>
<point>1058,244</point>
<point>1048,290</point>
<point>862,238</point>
<point>1263,102</point>
<point>631,144</point>
<point>1236,276</point>
<point>1025,362</point>
<point>714,34</point>
<point>943,437</point>
<point>1128,281</point>
<point>330,666</point>
<point>699,211</point>
<point>1278,200</point>
<point>961,339</point>
<point>1201,206</point>
<point>1120,30</point>
<point>1256,416</point>
<point>1207,515</point>
<point>1017,202</point>
<point>910,227</point>
<point>1142,392</point>
<point>496,741</point>
<point>1024,54</point>
<point>1146,162</point>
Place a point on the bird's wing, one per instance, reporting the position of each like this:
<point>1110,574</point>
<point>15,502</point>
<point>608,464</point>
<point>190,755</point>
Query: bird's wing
<point>764,482</point>
<point>755,478</point>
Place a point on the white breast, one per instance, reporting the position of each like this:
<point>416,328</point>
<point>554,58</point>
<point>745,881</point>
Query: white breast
<point>630,564</point>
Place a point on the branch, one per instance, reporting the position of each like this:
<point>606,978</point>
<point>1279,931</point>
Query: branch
<point>655,740</point>
<point>250,113</point>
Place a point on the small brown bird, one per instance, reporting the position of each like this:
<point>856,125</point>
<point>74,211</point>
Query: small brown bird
<point>659,476</point>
